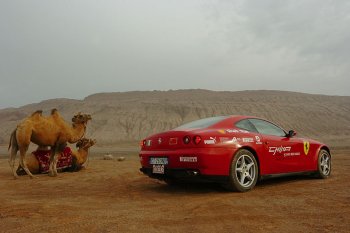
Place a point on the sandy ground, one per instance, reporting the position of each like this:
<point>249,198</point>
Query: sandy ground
<point>112,196</point>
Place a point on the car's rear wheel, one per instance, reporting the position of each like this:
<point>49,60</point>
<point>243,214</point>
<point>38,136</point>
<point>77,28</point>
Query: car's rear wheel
<point>244,172</point>
<point>324,164</point>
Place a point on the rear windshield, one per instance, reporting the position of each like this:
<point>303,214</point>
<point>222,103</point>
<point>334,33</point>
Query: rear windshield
<point>203,123</point>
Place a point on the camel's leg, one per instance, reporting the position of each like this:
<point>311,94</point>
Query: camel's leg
<point>22,161</point>
<point>55,153</point>
<point>53,161</point>
<point>52,154</point>
<point>12,161</point>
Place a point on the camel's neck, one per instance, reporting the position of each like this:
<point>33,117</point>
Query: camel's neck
<point>77,132</point>
<point>81,156</point>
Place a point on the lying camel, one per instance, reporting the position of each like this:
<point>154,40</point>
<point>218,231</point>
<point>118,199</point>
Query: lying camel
<point>79,157</point>
<point>50,131</point>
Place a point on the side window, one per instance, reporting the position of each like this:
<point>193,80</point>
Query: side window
<point>246,125</point>
<point>268,128</point>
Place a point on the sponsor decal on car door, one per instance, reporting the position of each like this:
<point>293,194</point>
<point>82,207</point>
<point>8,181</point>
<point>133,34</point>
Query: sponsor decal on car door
<point>282,154</point>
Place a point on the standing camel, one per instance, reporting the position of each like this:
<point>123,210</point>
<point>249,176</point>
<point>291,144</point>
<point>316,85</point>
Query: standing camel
<point>45,131</point>
<point>78,158</point>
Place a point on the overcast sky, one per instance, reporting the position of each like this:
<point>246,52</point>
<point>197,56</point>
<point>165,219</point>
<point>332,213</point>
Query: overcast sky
<point>74,48</point>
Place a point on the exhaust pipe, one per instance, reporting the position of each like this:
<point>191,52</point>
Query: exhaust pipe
<point>193,173</point>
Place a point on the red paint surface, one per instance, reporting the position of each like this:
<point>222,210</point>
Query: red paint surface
<point>215,159</point>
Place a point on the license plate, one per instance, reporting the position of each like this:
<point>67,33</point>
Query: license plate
<point>158,161</point>
<point>158,169</point>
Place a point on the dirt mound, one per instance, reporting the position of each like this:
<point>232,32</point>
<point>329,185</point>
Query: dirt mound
<point>131,116</point>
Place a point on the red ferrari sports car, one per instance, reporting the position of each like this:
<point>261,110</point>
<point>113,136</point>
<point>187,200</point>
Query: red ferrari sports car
<point>233,150</point>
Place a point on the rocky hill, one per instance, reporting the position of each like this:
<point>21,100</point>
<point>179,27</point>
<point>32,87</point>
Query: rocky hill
<point>130,116</point>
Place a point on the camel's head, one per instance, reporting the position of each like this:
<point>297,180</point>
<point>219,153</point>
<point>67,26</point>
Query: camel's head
<point>81,118</point>
<point>85,143</point>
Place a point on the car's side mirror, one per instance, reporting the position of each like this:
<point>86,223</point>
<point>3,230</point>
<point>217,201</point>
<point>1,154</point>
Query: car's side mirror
<point>291,133</point>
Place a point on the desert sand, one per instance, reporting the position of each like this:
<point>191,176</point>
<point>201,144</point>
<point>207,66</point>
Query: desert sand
<point>113,196</point>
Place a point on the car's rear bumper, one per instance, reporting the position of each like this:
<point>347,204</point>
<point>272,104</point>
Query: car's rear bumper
<point>184,175</point>
<point>205,161</point>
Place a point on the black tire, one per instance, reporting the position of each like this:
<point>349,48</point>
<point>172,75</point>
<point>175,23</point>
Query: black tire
<point>244,172</point>
<point>324,164</point>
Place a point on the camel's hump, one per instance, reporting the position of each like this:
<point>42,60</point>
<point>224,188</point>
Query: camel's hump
<point>37,112</point>
<point>54,111</point>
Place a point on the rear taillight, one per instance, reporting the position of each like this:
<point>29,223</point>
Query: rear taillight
<point>197,139</point>
<point>187,139</point>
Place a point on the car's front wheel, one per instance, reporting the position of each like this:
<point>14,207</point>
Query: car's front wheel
<point>244,172</point>
<point>324,164</point>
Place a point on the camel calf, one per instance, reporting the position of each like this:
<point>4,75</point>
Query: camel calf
<point>79,157</point>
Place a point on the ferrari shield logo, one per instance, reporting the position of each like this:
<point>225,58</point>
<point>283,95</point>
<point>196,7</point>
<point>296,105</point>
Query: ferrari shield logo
<point>306,147</point>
